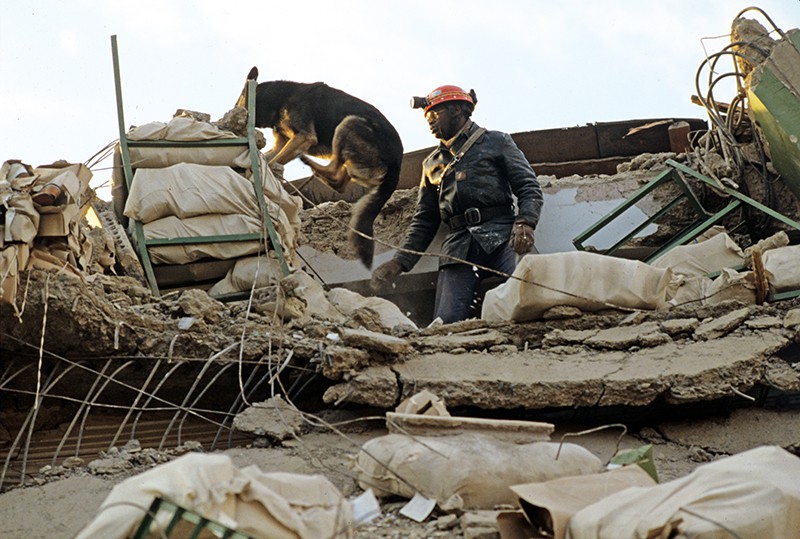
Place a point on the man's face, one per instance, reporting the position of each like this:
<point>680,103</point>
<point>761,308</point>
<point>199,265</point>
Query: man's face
<point>444,121</point>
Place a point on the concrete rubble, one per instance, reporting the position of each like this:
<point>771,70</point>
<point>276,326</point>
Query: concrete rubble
<point>714,329</point>
<point>684,361</point>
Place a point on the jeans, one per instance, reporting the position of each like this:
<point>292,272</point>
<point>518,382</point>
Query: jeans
<point>457,283</point>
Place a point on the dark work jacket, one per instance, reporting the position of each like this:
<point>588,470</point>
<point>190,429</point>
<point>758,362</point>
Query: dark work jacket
<point>488,174</point>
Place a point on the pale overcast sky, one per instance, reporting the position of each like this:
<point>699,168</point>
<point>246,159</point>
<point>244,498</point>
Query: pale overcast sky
<point>534,64</point>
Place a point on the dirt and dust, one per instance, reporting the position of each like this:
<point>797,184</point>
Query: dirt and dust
<point>324,227</point>
<point>64,499</point>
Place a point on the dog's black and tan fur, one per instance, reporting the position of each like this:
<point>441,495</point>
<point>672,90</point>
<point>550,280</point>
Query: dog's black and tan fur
<point>317,120</point>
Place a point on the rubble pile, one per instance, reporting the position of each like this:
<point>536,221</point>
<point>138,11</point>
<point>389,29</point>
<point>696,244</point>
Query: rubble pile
<point>41,219</point>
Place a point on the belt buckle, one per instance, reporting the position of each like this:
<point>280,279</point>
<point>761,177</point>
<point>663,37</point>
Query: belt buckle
<point>472,216</point>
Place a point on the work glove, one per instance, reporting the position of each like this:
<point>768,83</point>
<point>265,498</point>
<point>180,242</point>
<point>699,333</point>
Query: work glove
<point>521,238</point>
<point>385,273</point>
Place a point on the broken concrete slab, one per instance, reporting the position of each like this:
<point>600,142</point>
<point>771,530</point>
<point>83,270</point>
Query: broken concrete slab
<point>764,322</point>
<point>476,339</point>
<point>783,376</point>
<point>679,326</point>
<point>719,327</point>
<point>372,340</point>
<point>340,361</point>
<point>274,418</point>
<point>567,337</point>
<point>371,386</point>
<point>622,338</point>
<point>535,379</point>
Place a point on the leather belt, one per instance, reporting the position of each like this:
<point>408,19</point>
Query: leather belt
<point>476,216</point>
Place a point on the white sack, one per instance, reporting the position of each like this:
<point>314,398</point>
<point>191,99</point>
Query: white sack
<point>185,129</point>
<point>203,225</point>
<point>731,284</point>
<point>469,471</point>
<point>179,128</point>
<point>702,258</point>
<point>202,185</point>
<point>783,268</point>
<point>755,494</point>
<point>700,290</point>
<point>231,156</point>
<point>263,505</point>
<point>588,281</point>
<point>303,286</point>
<point>188,190</point>
<point>159,158</point>
<point>390,314</point>
<point>261,270</point>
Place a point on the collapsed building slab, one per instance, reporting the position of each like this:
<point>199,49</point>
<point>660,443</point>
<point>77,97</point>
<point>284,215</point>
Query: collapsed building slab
<point>581,377</point>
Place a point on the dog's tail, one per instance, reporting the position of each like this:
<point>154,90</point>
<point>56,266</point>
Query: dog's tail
<point>366,210</point>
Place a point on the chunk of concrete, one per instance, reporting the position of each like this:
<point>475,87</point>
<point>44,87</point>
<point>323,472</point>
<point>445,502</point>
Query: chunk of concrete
<point>274,418</point>
<point>567,337</point>
<point>719,327</point>
<point>783,376</point>
<point>340,360</point>
<point>374,386</point>
<point>372,340</point>
<point>764,322</point>
<point>624,337</point>
<point>477,339</point>
<point>109,465</point>
<point>562,312</point>
<point>679,326</point>
<point>197,304</point>
<point>792,319</point>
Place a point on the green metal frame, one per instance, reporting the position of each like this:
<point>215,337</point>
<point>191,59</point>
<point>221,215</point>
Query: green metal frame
<point>704,221</point>
<point>249,142</point>
<point>181,514</point>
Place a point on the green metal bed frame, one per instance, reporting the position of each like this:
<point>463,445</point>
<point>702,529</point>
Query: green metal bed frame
<point>248,142</point>
<point>182,516</point>
<point>704,218</point>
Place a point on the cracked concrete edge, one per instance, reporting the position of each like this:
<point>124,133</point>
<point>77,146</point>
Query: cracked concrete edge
<point>385,386</point>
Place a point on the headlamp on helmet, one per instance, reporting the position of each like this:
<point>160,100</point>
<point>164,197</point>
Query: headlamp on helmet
<point>443,94</point>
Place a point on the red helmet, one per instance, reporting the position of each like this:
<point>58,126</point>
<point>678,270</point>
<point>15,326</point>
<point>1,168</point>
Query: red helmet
<point>443,94</point>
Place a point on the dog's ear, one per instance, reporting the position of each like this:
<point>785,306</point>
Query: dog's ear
<point>253,75</point>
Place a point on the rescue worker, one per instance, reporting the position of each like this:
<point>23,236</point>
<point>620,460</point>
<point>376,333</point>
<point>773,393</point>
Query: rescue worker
<point>467,183</point>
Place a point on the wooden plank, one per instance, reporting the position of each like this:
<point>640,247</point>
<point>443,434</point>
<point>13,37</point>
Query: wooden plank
<point>503,429</point>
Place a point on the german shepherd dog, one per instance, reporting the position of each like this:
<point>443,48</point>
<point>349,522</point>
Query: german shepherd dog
<point>360,143</point>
